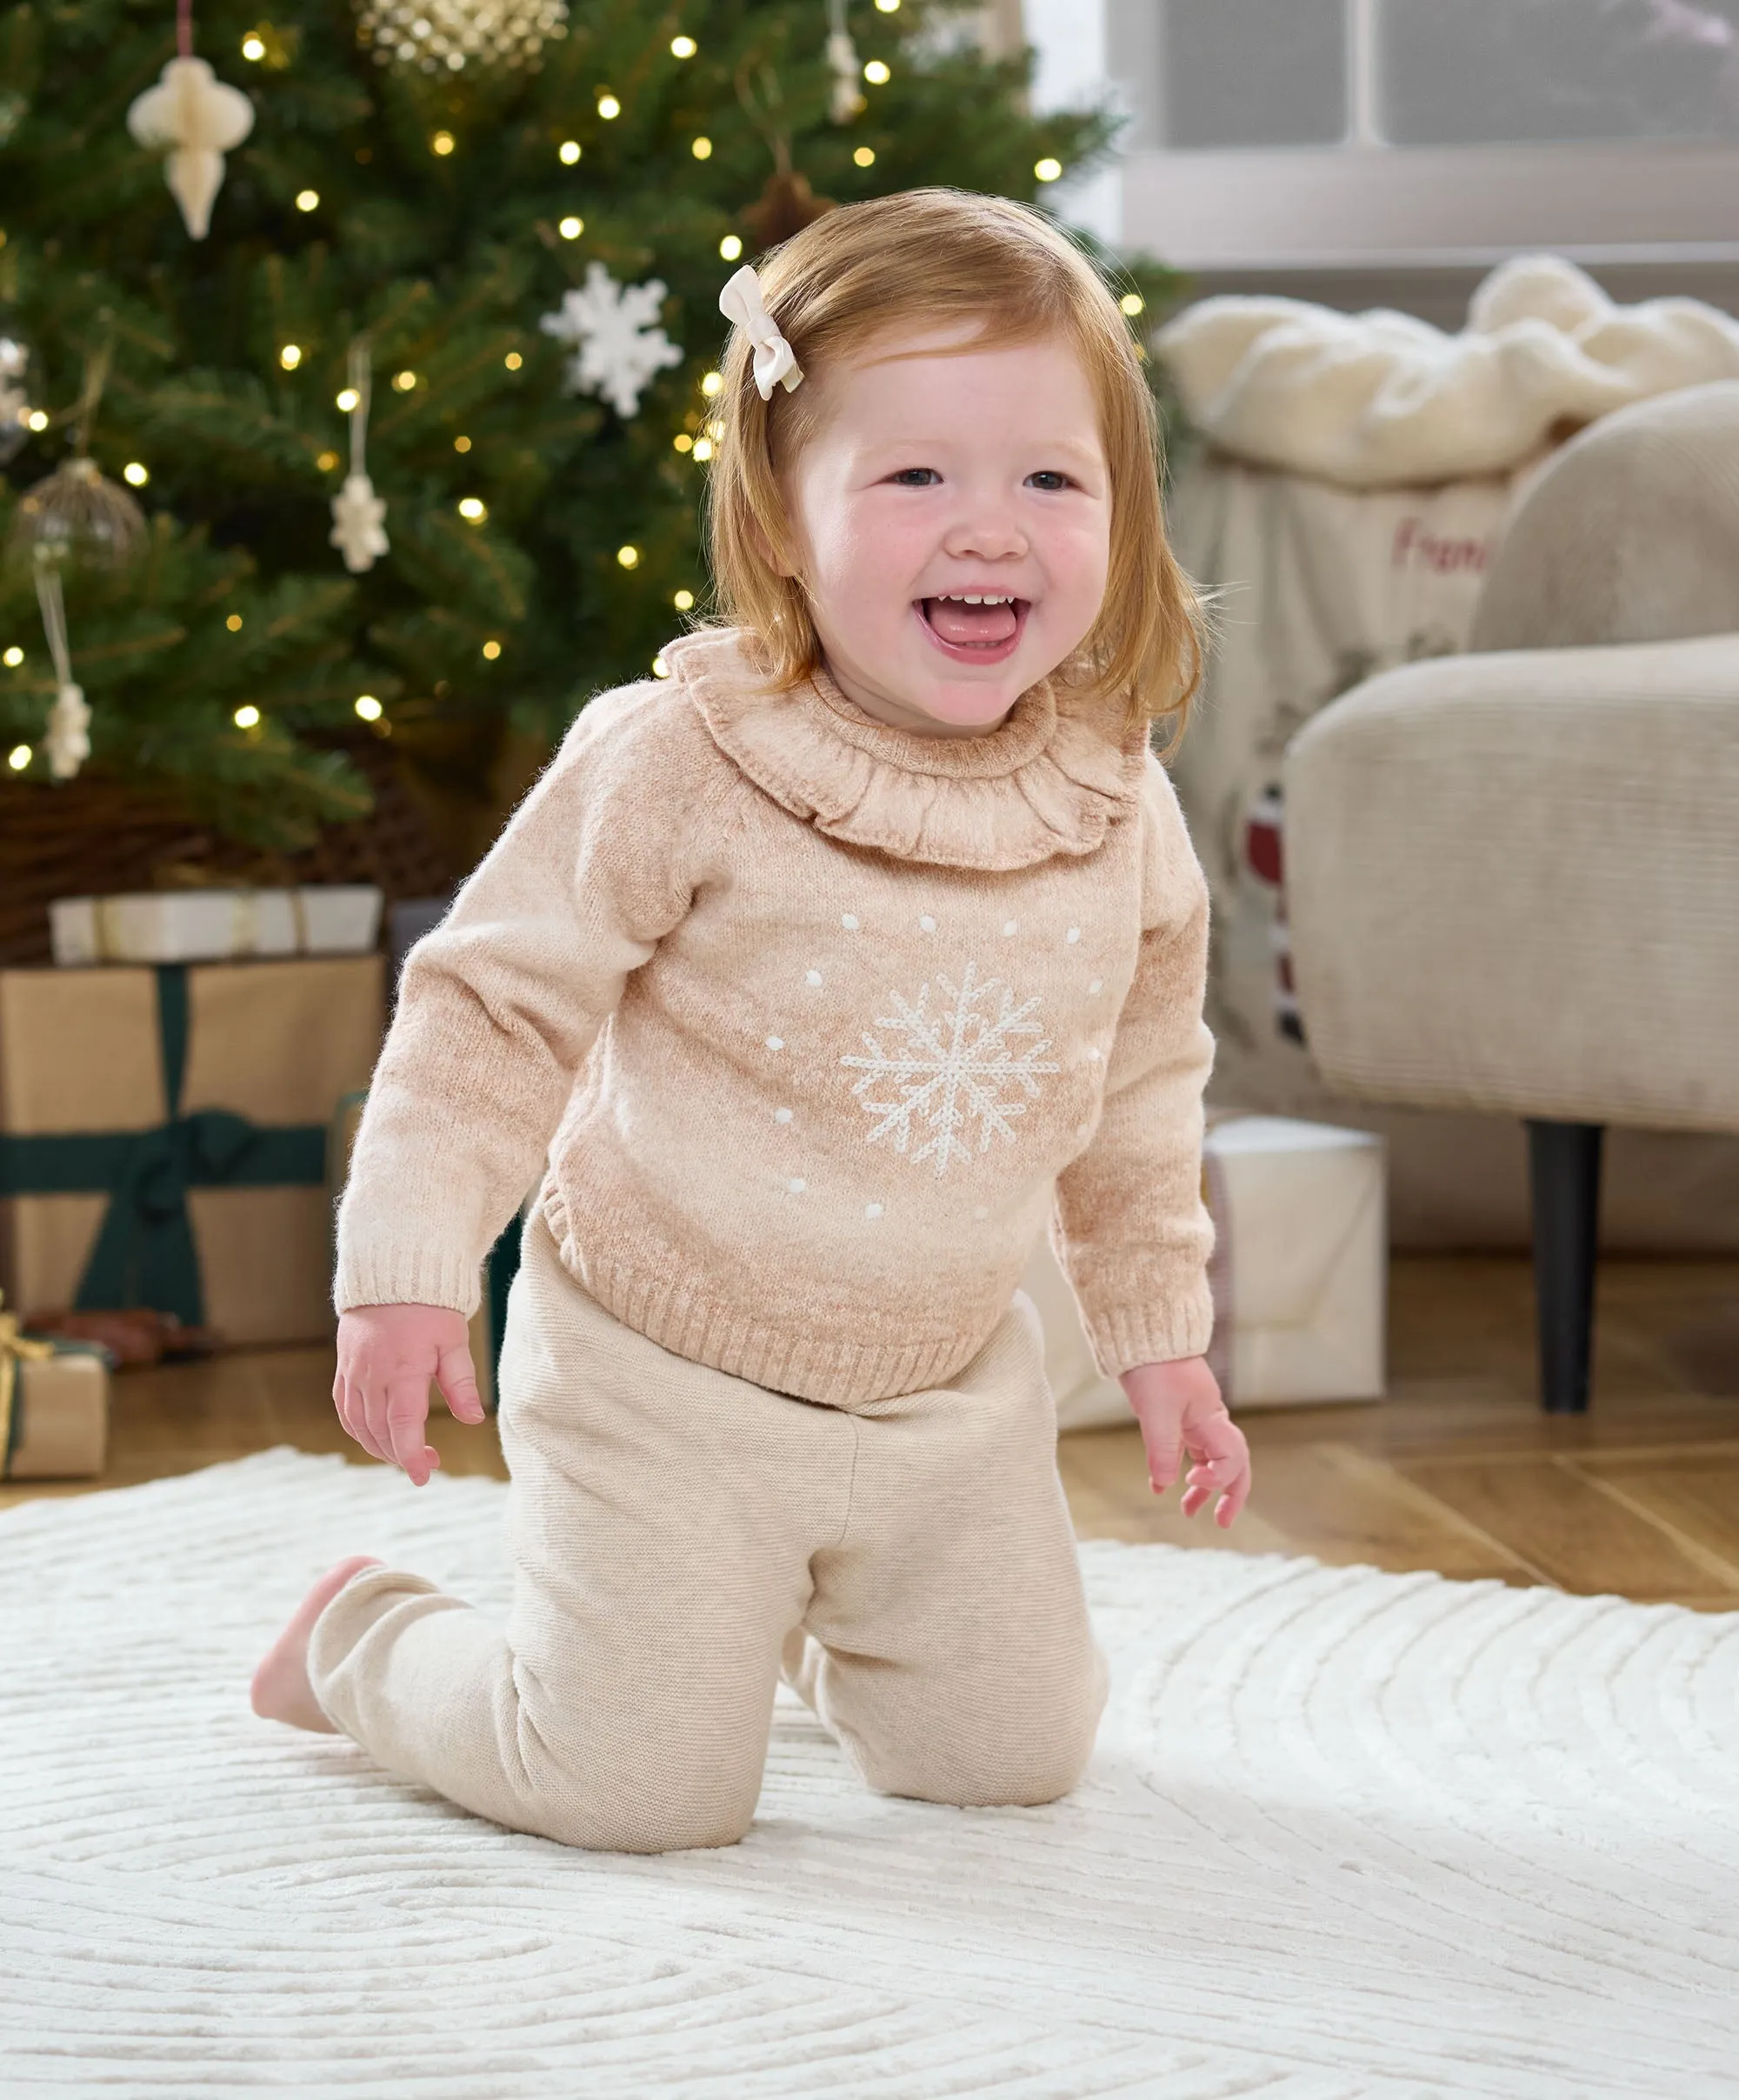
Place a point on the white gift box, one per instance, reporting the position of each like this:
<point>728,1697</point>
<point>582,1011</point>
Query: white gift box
<point>214,925</point>
<point>1300,1272</point>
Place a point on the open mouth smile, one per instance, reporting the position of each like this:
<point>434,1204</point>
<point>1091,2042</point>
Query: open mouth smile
<point>973,627</point>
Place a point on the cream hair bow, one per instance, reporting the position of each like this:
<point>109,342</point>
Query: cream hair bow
<point>775,362</point>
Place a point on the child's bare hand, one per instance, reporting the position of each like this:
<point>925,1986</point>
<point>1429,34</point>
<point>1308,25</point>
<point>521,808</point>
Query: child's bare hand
<point>386,1355</point>
<point>1180,1410</point>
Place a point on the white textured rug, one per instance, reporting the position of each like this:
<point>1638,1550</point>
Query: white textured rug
<point>1348,1834</point>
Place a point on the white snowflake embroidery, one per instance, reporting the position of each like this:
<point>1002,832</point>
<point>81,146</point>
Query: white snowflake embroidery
<point>954,1072</point>
<point>613,329</point>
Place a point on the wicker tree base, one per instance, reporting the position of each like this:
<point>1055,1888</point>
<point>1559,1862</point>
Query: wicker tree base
<point>95,838</point>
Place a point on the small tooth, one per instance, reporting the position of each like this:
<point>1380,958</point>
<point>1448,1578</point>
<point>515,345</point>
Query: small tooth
<point>969,600</point>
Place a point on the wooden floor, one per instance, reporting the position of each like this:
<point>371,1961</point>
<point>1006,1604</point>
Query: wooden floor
<point>1457,1470</point>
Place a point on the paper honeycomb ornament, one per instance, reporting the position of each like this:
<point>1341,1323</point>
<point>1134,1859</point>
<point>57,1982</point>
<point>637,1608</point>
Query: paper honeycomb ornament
<point>194,119</point>
<point>447,35</point>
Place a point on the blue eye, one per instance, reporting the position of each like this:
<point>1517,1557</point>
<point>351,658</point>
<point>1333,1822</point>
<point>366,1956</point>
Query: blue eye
<point>1048,479</point>
<point>916,477</point>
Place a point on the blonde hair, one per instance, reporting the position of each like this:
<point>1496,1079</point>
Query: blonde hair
<point>919,262</point>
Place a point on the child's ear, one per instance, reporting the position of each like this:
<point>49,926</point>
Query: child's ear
<point>780,559</point>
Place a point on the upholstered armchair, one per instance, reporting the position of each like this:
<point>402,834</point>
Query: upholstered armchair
<point>1513,876</point>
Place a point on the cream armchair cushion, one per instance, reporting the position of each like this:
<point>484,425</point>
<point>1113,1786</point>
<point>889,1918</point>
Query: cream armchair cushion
<point>1514,884</point>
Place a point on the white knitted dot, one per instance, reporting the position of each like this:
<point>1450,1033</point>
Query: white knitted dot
<point>782,1115</point>
<point>1098,984</point>
<point>775,1043</point>
<point>812,976</point>
<point>981,1211</point>
<point>1095,1053</point>
<point>796,1185</point>
<point>872,1209</point>
<point>849,920</point>
<point>1011,926</point>
<point>1072,934</point>
<point>926,924</point>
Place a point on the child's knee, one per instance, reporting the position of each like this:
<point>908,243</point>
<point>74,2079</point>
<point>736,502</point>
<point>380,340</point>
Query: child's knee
<point>990,1758</point>
<point>577,1802</point>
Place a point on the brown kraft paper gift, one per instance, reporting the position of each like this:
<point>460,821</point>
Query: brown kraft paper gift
<point>278,1044</point>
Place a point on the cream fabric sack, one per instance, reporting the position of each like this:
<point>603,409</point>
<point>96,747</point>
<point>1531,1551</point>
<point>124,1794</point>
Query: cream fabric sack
<point>1300,1274</point>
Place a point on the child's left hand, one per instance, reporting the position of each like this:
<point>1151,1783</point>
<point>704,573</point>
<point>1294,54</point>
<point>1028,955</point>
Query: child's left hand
<point>1179,1410</point>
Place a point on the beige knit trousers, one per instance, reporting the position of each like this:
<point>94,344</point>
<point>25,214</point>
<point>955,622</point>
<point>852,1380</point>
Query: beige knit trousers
<point>676,1535</point>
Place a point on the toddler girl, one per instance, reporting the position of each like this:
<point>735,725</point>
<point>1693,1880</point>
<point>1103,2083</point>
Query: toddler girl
<point>813,979</point>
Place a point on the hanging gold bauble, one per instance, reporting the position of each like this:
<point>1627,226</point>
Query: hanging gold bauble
<point>448,36</point>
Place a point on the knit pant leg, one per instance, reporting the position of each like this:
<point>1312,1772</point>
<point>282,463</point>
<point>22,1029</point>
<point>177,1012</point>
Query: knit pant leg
<point>660,1520</point>
<point>951,1653</point>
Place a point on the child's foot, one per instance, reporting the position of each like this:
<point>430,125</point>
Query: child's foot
<point>281,1691</point>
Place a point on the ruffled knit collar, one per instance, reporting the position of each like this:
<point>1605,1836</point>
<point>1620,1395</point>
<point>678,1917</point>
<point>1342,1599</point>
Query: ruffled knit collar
<point>1051,779</point>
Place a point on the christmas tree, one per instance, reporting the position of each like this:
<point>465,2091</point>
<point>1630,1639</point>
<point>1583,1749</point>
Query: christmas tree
<point>462,262</point>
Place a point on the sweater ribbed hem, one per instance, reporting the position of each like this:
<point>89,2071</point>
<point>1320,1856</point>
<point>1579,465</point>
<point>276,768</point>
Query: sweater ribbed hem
<point>672,1312</point>
<point>418,1275</point>
<point>1161,1330</point>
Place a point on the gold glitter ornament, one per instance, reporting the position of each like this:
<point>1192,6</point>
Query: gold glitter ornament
<point>449,36</point>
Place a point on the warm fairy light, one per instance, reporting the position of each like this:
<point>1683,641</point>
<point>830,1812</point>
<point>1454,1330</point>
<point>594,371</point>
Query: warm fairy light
<point>402,382</point>
<point>308,200</point>
<point>326,462</point>
<point>473,509</point>
<point>13,657</point>
<point>247,718</point>
<point>1132,304</point>
<point>609,107</point>
<point>877,74</point>
<point>18,757</point>
<point>253,47</point>
<point>715,431</point>
<point>569,151</point>
<point>730,248</point>
<point>628,557</point>
<point>491,649</point>
<point>441,143</point>
<point>887,7</point>
<point>367,707</point>
<point>290,355</point>
<point>660,668</point>
<point>513,360</point>
<point>348,397</point>
<point>710,384</point>
<point>234,622</point>
<point>703,449</point>
<point>684,601</point>
<point>136,473</point>
<point>462,444</point>
<point>683,47</point>
<point>38,419</point>
<point>682,442</point>
<point>1047,170</point>
<point>570,229</point>
<point>702,149</point>
<point>865,157</point>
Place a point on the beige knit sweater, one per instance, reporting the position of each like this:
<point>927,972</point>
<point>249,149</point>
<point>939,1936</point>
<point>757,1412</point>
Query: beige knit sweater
<point>808,1024</point>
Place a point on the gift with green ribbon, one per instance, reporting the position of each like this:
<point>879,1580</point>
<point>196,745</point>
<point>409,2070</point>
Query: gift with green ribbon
<point>146,1250</point>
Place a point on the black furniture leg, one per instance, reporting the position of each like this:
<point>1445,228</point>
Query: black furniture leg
<point>1564,1160</point>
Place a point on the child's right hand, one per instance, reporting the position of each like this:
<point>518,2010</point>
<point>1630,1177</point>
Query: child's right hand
<point>386,1355</point>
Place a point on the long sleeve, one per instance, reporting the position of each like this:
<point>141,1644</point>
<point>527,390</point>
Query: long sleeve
<point>499,1005</point>
<point>1130,1226</point>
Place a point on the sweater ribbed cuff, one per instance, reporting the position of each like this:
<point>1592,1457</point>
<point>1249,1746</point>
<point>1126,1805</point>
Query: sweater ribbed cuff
<point>1158,1329</point>
<point>382,1274</point>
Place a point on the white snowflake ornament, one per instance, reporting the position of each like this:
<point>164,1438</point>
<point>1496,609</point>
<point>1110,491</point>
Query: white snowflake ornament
<point>198,119</point>
<point>15,401</point>
<point>67,740</point>
<point>358,517</point>
<point>613,329</point>
<point>950,1079</point>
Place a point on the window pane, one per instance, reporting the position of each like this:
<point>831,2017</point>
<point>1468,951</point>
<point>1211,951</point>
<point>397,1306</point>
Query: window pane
<point>1455,72</point>
<point>1254,72</point>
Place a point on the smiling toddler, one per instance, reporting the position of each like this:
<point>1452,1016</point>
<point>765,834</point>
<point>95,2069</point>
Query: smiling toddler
<point>815,981</point>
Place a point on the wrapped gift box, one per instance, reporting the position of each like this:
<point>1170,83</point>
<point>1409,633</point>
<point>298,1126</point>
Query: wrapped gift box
<point>162,1137</point>
<point>210,925</point>
<point>54,1408</point>
<point>1299,1272</point>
